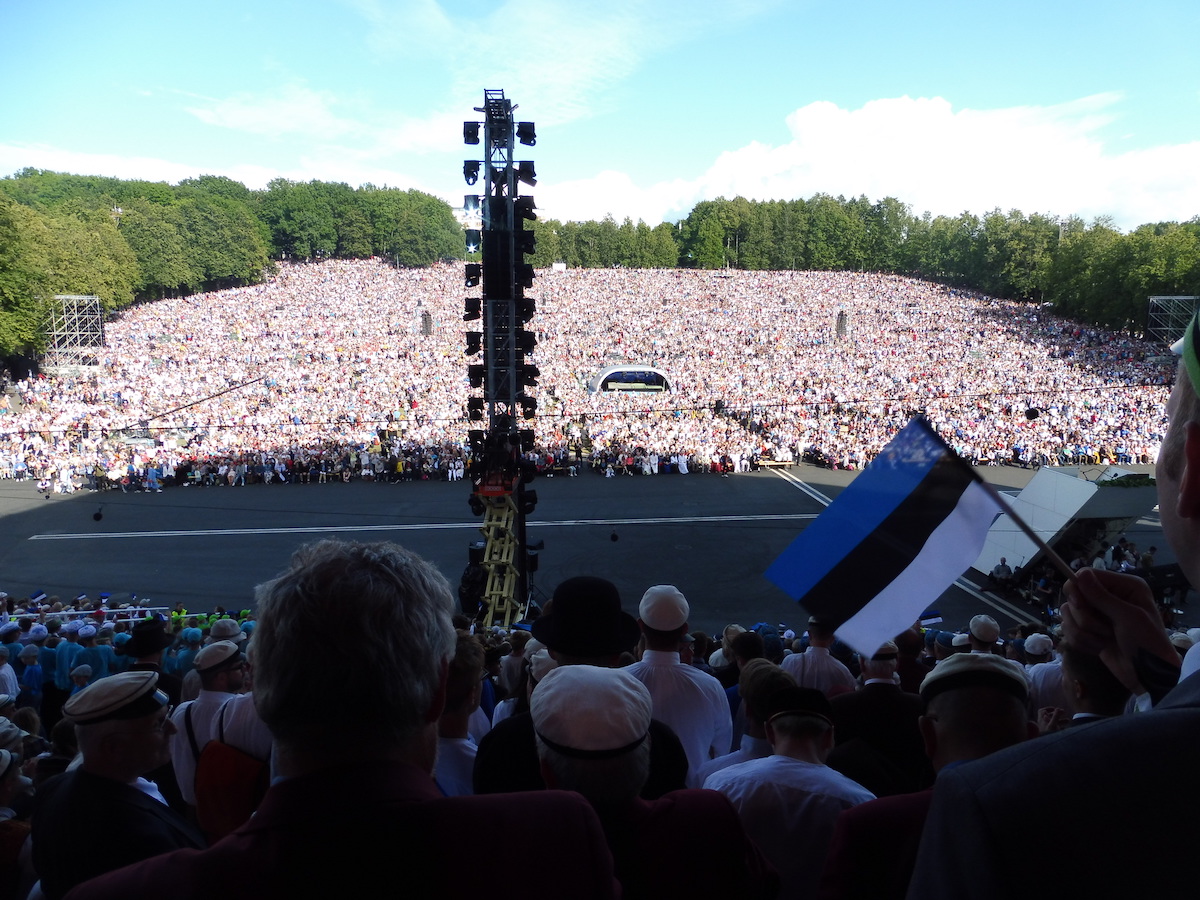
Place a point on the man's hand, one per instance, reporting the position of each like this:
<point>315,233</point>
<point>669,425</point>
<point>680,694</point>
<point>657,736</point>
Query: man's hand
<point>1108,613</point>
<point>1051,719</point>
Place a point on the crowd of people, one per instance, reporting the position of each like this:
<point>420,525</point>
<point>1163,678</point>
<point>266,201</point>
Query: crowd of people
<point>763,764</point>
<point>353,733</point>
<point>356,369</point>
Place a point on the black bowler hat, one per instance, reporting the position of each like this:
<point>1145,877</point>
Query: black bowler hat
<point>586,619</point>
<point>149,636</point>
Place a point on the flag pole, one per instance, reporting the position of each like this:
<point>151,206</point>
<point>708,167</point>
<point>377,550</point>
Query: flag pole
<point>1054,558</point>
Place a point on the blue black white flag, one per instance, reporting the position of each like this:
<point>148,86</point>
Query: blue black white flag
<point>888,546</point>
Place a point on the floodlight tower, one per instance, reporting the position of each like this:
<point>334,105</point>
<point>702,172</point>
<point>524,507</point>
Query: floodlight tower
<point>499,474</point>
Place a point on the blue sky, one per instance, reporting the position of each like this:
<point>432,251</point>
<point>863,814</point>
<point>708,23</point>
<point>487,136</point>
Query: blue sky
<point>643,108</point>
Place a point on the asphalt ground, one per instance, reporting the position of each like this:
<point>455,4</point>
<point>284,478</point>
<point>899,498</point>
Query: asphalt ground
<point>712,536</point>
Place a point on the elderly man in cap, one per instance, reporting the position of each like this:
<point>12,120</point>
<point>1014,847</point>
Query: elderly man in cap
<point>974,705</point>
<point>1046,688</point>
<point>815,667</point>
<point>1130,778</point>
<point>222,670</point>
<point>983,633</point>
<point>691,702</point>
<point>353,807</point>
<point>788,801</point>
<point>877,742</point>
<point>583,625</point>
<point>104,815</point>
<point>592,727</point>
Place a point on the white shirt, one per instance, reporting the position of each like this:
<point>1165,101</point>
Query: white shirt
<point>1046,685</point>
<point>750,748</point>
<point>788,807</point>
<point>455,766</point>
<point>8,681</point>
<point>816,668</point>
<point>243,729</point>
<point>204,718</point>
<point>692,702</point>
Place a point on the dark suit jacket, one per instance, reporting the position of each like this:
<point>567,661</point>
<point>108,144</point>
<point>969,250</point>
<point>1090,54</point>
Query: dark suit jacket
<point>382,829</point>
<point>507,760</point>
<point>689,843</point>
<point>878,742</point>
<point>1117,797</point>
<point>85,825</point>
<point>874,847</point>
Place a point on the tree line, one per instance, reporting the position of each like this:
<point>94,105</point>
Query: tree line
<point>1091,272</point>
<point>130,240</point>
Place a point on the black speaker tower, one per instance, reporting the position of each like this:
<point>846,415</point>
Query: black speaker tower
<point>499,474</point>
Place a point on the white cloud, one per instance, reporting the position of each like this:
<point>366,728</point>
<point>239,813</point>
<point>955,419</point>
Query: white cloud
<point>932,157</point>
<point>922,151</point>
<point>293,109</point>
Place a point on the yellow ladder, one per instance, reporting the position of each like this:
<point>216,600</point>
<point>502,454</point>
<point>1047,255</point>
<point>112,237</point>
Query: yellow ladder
<point>498,559</point>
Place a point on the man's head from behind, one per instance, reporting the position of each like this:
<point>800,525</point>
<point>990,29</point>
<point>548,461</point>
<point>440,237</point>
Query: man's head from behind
<point>974,705</point>
<point>800,723</point>
<point>592,727</point>
<point>1090,685</point>
<point>394,641</point>
<point>758,681</point>
<point>663,616</point>
<point>881,666</point>
<point>222,667</point>
<point>584,623</point>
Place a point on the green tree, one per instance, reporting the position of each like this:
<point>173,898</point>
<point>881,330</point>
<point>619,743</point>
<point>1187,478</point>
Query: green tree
<point>89,256</point>
<point>224,240</point>
<point>662,247</point>
<point>300,219</point>
<point>888,223</point>
<point>836,234</point>
<point>155,234</point>
<point>548,249</point>
<point>26,245</point>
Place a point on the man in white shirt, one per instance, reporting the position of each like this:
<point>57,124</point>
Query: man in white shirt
<point>692,702</point>
<point>222,670</point>
<point>790,800</point>
<point>815,667</point>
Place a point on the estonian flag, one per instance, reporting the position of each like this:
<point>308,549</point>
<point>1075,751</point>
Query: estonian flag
<point>890,543</point>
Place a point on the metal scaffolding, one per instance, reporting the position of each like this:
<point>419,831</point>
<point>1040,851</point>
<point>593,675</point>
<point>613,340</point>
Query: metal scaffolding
<point>1167,317</point>
<point>75,331</point>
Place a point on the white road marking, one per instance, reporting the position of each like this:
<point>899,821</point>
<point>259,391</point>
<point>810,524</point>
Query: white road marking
<point>430,526</point>
<point>803,486</point>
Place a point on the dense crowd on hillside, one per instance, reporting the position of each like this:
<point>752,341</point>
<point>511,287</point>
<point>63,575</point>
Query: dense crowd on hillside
<point>295,378</point>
